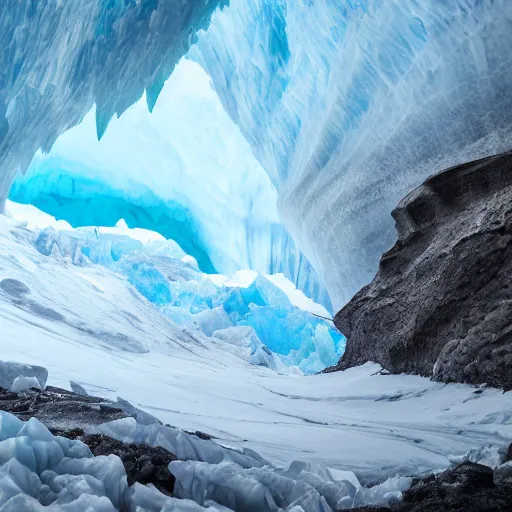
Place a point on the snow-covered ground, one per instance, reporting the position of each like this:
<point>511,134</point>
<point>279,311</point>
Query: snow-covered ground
<point>88,324</point>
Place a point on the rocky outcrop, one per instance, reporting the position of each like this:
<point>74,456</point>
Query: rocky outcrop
<point>60,409</point>
<point>143,463</point>
<point>441,302</point>
<point>468,487</point>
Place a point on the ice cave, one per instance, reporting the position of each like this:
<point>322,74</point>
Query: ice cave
<point>255,255</point>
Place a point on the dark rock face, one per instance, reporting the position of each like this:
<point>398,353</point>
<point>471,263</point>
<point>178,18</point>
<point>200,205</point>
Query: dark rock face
<point>59,409</point>
<point>468,487</point>
<point>143,463</point>
<point>508,455</point>
<point>441,302</point>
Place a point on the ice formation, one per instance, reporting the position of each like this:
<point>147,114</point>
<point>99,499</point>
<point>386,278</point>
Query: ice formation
<point>19,377</point>
<point>41,472</point>
<point>301,487</point>
<point>58,59</point>
<point>187,172</point>
<point>348,105</point>
<point>243,480</point>
<point>247,315</point>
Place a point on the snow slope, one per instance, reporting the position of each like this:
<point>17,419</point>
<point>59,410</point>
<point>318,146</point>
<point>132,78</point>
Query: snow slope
<point>87,324</point>
<point>247,312</point>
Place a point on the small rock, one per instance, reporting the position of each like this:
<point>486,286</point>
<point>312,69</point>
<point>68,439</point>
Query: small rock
<point>469,474</point>
<point>503,474</point>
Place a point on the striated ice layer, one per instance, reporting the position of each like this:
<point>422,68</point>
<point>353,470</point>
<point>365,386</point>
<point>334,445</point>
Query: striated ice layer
<point>301,487</point>
<point>207,472</point>
<point>348,105</point>
<point>184,170</point>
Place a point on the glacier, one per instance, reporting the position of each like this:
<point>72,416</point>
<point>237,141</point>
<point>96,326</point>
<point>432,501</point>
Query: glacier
<point>325,440</point>
<point>247,314</point>
<point>218,177</point>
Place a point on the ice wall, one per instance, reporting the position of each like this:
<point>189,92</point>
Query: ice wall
<point>185,171</point>
<point>348,105</point>
<point>58,58</point>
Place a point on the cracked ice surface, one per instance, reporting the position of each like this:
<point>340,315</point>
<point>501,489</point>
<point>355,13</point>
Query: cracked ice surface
<point>88,325</point>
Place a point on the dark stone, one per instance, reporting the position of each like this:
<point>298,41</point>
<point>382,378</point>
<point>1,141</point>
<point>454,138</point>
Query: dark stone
<point>200,435</point>
<point>468,474</point>
<point>467,487</point>
<point>44,312</point>
<point>14,288</point>
<point>441,302</point>
<point>508,455</point>
<point>143,463</point>
<point>60,409</point>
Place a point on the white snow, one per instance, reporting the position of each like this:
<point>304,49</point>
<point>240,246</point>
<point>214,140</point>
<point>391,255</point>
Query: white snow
<point>241,278</point>
<point>297,297</point>
<point>32,217</point>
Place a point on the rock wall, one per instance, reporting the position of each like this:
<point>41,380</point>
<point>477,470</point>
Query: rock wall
<point>441,302</point>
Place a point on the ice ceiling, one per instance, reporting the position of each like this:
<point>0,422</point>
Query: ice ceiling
<point>325,113</point>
